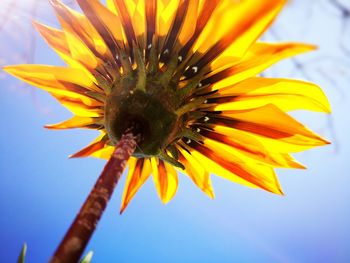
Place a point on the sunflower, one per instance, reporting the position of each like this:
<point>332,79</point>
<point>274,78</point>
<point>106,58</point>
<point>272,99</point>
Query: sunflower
<point>184,74</point>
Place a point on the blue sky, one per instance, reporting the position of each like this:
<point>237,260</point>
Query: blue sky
<point>41,189</point>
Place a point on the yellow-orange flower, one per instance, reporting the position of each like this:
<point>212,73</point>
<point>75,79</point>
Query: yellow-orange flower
<point>185,73</point>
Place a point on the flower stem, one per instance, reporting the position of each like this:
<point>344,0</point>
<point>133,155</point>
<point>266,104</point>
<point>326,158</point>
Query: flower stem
<point>77,237</point>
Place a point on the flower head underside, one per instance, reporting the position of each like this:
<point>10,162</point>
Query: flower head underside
<point>184,75</point>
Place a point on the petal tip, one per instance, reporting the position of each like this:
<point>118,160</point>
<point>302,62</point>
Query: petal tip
<point>122,208</point>
<point>54,2</point>
<point>325,141</point>
<point>209,192</point>
<point>211,196</point>
<point>36,25</point>
<point>280,192</point>
<point>313,47</point>
<point>73,156</point>
<point>7,69</point>
<point>165,200</point>
<point>297,165</point>
<point>48,126</point>
<point>310,47</point>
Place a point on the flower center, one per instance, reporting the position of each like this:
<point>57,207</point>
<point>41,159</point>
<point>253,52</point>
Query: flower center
<point>149,112</point>
<point>151,98</point>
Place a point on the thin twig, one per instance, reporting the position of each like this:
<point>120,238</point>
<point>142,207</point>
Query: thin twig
<point>73,244</point>
<point>7,14</point>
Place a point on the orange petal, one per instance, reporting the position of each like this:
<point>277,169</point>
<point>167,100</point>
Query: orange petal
<point>76,122</point>
<point>226,165</point>
<point>55,38</point>
<point>136,15</point>
<point>196,172</point>
<point>269,121</point>
<point>106,23</point>
<point>260,57</point>
<point>104,153</point>
<point>80,105</point>
<point>273,146</point>
<point>77,24</point>
<point>286,94</point>
<point>96,145</point>
<point>125,11</point>
<point>60,80</point>
<point>234,27</point>
<point>166,12</point>
<point>181,28</point>
<point>165,179</point>
<point>241,143</point>
<point>205,12</point>
<point>151,20</point>
<point>139,171</point>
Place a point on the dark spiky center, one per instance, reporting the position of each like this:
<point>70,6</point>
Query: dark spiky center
<point>150,98</point>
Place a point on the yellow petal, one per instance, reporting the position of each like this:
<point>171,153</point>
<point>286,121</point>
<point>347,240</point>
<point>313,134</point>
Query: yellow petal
<point>269,10</point>
<point>259,57</point>
<point>234,27</point>
<point>96,145</point>
<point>67,85</point>
<point>226,165</point>
<point>111,6</point>
<point>166,11</point>
<point>104,153</point>
<point>151,22</point>
<point>190,19</point>
<point>242,144</point>
<point>196,172</point>
<point>55,38</point>
<point>182,27</point>
<point>275,147</point>
<point>106,23</point>
<point>139,22</point>
<point>165,179</point>
<point>79,105</point>
<point>284,93</point>
<point>79,27</point>
<point>125,11</point>
<point>81,52</point>
<point>75,122</point>
<point>269,121</point>
<point>59,80</point>
<point>139,171</point>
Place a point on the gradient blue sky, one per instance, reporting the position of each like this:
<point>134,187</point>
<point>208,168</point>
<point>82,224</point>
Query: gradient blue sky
<point>41,189</point>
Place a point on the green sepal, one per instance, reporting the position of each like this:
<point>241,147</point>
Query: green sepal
<point>96,95</point>
<point>173,151</point>
<point>190,87</point>
<point>87,258</point>
<point>103,83</point>
<point>22,255</point>
<point>153,65</point>
<point>190,134</point>
<point>125,61</point>
<point>166,76</point>
<point>165,157</point>
<point>141,70</point>
<point>192,105</point>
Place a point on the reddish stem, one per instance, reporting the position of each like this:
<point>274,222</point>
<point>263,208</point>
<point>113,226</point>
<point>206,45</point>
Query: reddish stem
<point>73,244</point>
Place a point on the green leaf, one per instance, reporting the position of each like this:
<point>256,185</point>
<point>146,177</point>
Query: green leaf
<point>87,258</point>
<point>22,256</point>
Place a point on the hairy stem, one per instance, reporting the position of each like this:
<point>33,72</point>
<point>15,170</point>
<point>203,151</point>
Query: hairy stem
<point>77,237</point>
